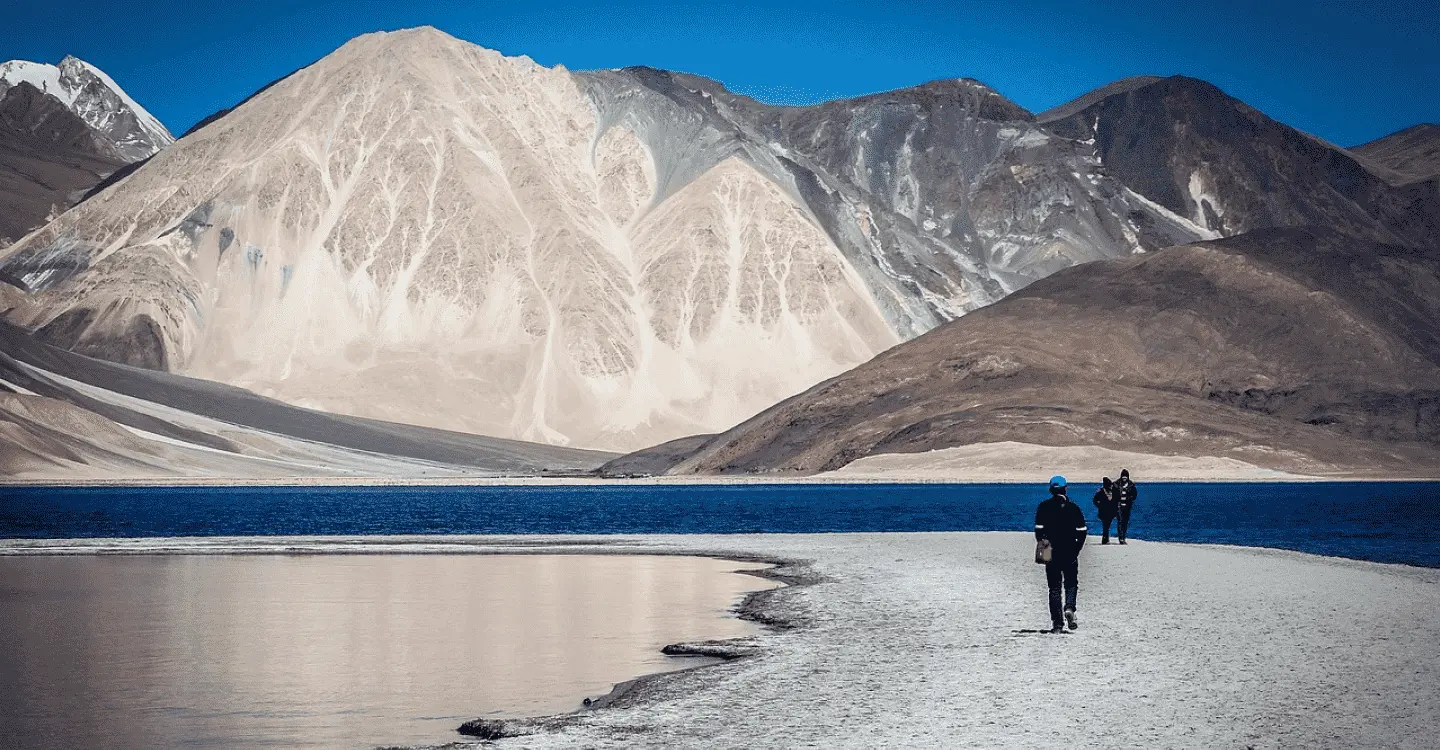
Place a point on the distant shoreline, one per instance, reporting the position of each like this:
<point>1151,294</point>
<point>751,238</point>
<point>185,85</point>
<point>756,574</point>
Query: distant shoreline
<point>698,481</point>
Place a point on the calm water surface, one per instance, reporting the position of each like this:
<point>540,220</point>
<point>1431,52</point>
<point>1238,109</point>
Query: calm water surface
<point>333,651</point>
<point>1380,521</point>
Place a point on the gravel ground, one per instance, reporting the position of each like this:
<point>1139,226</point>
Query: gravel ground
<point>910,641</point>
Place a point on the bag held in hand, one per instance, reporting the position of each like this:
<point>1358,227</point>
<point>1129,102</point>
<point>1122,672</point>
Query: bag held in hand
<point>1043,552</point>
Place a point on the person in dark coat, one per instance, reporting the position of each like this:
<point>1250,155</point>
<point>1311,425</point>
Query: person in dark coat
<point>1062,523</point>
<point>1125,494</point>
<point>1107,505</point>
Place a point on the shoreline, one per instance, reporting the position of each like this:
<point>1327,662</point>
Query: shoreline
<point>627,716</point>
<point>755,606</point>
<point>538,543</point>
<point>699,481</point>
<point>906,570</point>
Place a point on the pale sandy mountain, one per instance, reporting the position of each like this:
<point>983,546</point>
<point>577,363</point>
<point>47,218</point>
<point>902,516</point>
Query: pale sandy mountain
<point>64,416</point>
<point>420,230</point>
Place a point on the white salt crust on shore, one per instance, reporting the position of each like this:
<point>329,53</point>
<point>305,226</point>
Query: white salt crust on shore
<point>909,641</point>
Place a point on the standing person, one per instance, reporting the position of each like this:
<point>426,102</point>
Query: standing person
<point>1125,493</point>
<point>1062,523</point>
<point>1107,505</point>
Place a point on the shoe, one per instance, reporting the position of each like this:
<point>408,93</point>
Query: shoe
<point>1122,541</point>
<point>1104,541</point>
<point>1070,619</point>
<point>1058,629</point>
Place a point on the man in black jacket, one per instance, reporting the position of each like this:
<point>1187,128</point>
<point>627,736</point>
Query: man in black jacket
<point>1107,504</point>
<point>1062,523</point>
<point>1125,494</point>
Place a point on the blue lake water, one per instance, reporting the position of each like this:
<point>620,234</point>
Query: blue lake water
<point>1386,522</point>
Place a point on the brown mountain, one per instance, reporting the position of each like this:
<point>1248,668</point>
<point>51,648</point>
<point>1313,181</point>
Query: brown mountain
<point>1411,155</point>
<point>1229,168</point>
<point>49,158</point>
<point>1294,349</point>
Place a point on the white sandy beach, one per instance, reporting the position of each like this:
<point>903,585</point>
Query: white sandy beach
<point>909,640</point>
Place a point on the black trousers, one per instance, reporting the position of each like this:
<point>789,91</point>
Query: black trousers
<point>1107,522</point>
<point>1124,522</point>
<point>1062,569</point>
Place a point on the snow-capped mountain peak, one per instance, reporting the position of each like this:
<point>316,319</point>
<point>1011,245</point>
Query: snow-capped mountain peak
<point>92,95</point>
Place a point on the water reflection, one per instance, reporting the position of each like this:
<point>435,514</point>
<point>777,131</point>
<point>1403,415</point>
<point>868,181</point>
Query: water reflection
<point>332,650</point>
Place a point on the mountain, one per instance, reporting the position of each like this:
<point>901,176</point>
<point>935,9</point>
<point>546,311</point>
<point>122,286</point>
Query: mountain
<point>1227,168</point>
<point>1301,350</point>
<point>126,128</point>
<point>65,416</point>
<point>420,230</point>
<point>1410,155</point>
<point>49,157</point>
<point>63,130</point>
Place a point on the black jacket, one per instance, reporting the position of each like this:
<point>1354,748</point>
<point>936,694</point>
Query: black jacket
<point>1063,523</point>
<point>1107,503</point>
<point>1125,494</point>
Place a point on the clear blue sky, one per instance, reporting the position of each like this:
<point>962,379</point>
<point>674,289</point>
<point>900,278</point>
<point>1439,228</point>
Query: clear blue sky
<point>1346,70</point>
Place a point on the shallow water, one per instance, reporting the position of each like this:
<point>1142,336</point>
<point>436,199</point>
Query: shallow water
<point>333,651</point>
<point>1380,521</point>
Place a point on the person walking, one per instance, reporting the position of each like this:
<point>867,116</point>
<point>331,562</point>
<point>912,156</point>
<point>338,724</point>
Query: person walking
<point>1107,505</point>
<point>1125,494</point>
<point>1062,524</point>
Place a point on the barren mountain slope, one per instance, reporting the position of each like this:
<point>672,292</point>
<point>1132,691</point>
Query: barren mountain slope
<point>1228,168</point>
<point>127,131</point>
<point>945,196</point>
<point>421,230</point>
<point>49,157</point>
<point>66,416</point>
<point>1412,154</point>
<point>1298,350</point>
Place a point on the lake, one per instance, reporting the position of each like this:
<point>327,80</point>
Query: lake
<point>1379,521</point>
<point>334,651</point>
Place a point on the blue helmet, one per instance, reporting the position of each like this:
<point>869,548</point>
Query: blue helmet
<point>1057,482</point>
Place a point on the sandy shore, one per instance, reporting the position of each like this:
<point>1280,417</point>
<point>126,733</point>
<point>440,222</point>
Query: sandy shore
<point>982,463</point>
<point>910,640</point>
<point>822,479</point>
<point>1028,462</point>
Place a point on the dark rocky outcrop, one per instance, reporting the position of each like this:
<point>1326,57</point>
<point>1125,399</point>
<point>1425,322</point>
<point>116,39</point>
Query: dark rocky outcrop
<point>1202,154</point>
<point>1408,156</point>
<point>655,460</point>
<point>49,158</point>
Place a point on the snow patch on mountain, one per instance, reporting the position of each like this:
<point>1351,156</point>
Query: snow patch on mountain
<point>40,75</point>
<point>132,132</point>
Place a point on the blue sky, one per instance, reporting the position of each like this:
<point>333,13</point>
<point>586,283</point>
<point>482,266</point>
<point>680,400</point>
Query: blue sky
<point>1346,70</point>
